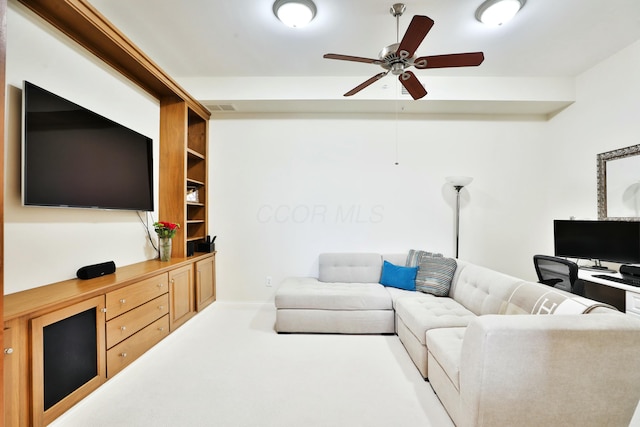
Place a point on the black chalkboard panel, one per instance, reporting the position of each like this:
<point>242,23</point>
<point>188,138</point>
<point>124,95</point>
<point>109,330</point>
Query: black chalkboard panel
<point>70,355</point>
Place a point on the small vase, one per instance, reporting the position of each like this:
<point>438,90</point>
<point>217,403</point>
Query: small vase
<point>164,247</point>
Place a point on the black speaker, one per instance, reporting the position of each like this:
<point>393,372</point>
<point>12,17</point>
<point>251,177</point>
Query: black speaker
<point>96,270</point>
<point>191,248</point>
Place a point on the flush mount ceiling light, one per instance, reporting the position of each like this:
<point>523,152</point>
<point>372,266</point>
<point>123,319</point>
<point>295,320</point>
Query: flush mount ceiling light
<point>497,12</point>
<point>294,13</point>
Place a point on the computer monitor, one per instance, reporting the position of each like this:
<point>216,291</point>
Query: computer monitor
<point>613,241</point>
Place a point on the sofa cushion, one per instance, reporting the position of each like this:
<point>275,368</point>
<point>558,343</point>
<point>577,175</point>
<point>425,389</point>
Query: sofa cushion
<point>422,314</point>
<point>350,267</point>
<point>481,290</point>
<point>397,294</point>
<point>435,275</point>
<point>445,345</point>
<point>309,293</point>
<point>535,298</point>
<point>398,277</point>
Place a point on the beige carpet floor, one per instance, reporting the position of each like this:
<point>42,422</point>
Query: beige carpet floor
<point>227,367</point>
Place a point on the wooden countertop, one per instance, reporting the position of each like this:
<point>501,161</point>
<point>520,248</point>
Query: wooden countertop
<point>45,298</point>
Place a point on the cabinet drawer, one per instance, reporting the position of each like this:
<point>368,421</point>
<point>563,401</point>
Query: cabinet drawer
<point>632,303</point>
<point>133,347</point>
<point>129,323</point>
<point>124,299</point>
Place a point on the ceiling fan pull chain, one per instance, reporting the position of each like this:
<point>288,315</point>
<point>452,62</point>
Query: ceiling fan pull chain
<point>397,129</point>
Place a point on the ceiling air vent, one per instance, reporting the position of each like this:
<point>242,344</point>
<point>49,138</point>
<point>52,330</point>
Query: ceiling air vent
<point>221,107</point>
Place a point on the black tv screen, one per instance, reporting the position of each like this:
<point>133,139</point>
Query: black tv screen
<point>73,157</point>
<point>614,241</point>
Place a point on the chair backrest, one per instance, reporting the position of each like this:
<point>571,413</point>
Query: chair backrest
<point>557,272</point>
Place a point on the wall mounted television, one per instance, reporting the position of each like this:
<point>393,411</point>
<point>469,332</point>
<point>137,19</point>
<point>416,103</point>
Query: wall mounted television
<point>73,157</point>
<point>613,241</point>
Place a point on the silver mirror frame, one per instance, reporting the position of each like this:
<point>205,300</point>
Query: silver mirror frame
<point>602,160</point>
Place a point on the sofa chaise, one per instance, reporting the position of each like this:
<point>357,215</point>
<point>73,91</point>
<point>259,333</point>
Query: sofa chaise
<point>497,350</point>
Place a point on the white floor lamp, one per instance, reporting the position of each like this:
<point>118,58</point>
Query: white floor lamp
<point>458,182</point>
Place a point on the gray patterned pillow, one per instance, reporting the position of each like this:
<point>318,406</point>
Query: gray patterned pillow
<point>435,274</point>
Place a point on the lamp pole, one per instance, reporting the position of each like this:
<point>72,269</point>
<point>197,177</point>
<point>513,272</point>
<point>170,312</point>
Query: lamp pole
<point>458,183</point>
<point>457,188</point>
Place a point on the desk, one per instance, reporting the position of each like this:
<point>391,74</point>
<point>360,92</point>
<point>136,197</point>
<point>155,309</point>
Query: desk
<point>625,298</point>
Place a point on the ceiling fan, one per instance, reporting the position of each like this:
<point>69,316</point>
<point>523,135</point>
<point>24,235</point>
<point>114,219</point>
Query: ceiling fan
<point>397,57</point>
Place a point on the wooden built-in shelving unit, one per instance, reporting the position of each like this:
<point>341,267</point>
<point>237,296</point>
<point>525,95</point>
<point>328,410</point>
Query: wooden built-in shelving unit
<point>183,163</point>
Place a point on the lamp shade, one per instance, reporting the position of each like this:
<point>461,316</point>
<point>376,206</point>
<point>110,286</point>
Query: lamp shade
<point>294,13</point>
<point>497,12</point>
<point>459,181</point>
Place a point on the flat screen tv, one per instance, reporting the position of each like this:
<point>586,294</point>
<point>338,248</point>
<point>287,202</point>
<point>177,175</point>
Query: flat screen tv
<point>73,157</point>
<point>613,241</point>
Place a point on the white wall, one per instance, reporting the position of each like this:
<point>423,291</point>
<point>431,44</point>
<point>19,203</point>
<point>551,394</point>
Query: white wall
<point>45,245</point>
<point>604,118</point>
<point>282,188</point>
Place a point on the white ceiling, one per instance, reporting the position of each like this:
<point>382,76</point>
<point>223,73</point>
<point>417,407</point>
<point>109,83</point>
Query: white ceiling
<point>242,38</point>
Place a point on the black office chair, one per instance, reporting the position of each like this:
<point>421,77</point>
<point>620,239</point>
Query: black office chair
<point>559,273</point>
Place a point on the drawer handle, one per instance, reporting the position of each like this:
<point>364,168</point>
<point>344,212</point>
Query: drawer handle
<point>122,301</point>
<point>160,285</point>
<point>123,328</point>
<point>8,350</point>
<point>123,354</point>
<point>161,307</point>
<point>161,328</point>
<point>173,281</point>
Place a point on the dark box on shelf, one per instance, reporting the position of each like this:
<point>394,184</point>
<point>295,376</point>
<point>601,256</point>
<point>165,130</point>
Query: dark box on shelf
<point>206,247</point>
<point>191,248</point>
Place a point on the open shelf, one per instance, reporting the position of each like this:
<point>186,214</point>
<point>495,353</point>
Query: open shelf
<point>184,170</point>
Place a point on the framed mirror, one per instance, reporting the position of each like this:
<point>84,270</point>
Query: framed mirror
<point>619,184</point>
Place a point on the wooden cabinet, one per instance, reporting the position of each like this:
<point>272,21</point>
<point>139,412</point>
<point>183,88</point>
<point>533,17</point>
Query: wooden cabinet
<point>122,327</point>
<point>129,312</point>
<point>181,296</point>
<point>138,318</point>
<point>183,170</point>
<point>74,333</point>
<point>12,389</point>
<point>205,282</point>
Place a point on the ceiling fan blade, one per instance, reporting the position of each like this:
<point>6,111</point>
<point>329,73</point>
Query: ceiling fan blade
<point>412,84</point>
<point>417,31</point>
<point>352,58</point>
<point>452,60</point>
<point>365,84</point>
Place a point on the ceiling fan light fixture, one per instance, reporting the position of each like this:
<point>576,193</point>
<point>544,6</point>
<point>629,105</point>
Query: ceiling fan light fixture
<point>295,13</point>
<point>498,12</point>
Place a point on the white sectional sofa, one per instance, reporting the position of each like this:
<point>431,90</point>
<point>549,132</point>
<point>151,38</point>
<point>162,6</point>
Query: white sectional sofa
<point>497,350</point>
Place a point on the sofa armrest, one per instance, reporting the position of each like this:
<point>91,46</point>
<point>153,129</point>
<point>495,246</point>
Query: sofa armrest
<point>550,370</point>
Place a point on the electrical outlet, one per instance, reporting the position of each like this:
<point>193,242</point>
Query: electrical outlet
<point>267,281</point>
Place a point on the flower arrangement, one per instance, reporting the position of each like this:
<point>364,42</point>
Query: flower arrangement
<point>166,229</point>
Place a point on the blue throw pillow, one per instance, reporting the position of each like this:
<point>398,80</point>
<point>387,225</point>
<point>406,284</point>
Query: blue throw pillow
<point>399,277</point>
